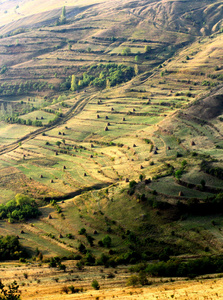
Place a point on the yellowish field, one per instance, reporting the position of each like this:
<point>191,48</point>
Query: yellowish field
<point>45,283</point>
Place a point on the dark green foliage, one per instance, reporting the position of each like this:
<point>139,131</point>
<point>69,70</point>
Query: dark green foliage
<point>82,231</point>
<point>218,77</point>
<point>19,210</point>
<point>10,248</point>
<point>3,69</point>
<point>74,290</point>
<point>132,186</point>
<point>89,259</point>
<point>11,293</point>
<point>90,240</point>
<point>22,88</point>
<point>82,248</point>
<point>192,268</point>
<point>97,75</point>
<point>214,171</point>
<point>95,285</point>
<point>106,241</point>
<point>55,262</point>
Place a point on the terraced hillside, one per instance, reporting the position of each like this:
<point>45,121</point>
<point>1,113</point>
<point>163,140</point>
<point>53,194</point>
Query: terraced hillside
<point>117,115</point>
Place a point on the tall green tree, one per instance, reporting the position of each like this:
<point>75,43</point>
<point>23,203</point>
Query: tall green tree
<point>63,16</point>
<point>73,85</point>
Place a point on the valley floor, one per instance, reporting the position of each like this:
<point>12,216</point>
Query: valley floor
<point>41,282</point>
<point>201,289</point>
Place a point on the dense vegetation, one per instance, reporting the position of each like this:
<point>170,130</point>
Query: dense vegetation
<point>10,248</point>
<point>19,209</point>
<point>191,268</point>
<point>102,75</point>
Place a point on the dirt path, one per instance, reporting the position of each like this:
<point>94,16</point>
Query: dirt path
<point>75,110</point>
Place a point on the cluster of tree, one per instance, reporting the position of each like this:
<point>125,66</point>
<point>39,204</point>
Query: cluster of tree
<point>216,76</point>
<point>3,69</point>
<point>19,209</point>
<point>23,88</point>
<point>17,120</point>
<point>192,268</point>
<point>102,75</point>
<point>55,262</point>
<point>214,171</point>
<point>10,248</point>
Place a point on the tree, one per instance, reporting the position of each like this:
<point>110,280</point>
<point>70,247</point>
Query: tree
<point>126,51</point>
<point>82,231</point>
<point>141,176</point>
<point>203,183</point>
<point>106,241</point>
<point>12,293</point>
<point>133,280</point>
<point>63,16</point>
<point>95,284</point>
<point>147,49</point>
<point>73,85</point>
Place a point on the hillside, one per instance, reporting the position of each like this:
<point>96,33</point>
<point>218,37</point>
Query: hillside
<point>111,120</point>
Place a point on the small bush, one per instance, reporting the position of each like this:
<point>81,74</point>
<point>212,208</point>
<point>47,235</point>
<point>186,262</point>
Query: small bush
<point>95,284</point>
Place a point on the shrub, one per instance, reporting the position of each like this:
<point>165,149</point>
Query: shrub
<point>106,241</point>
<point>133,280</point>
<point>12,293</point>
<point>95,284</point>
<point>82,231</point>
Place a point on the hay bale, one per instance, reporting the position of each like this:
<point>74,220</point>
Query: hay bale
<point>51,181</point>
<point>108,124</point>
<point>59,133</point>
<point>49,216</point>
<point>85,174</point>
<point>155,152</point>
<point>193,143</point>
<point>141,167</point>
<point>41,176</point>
<point>123,119</point>
<point>126,180</point>
<point>92,146</point>
<point>56,153</point>
<point>134,145</point>
<point>64,167</point>
<point>168,148</point>
<point>112,109</point>
<point>22,232</point>
<point>91,156</point>
<point>106,117</point>
<point>106,128</point>
<point>98,116</point>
